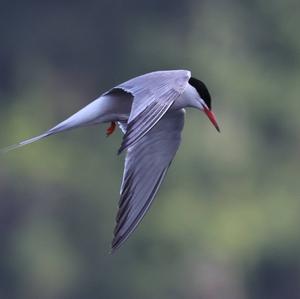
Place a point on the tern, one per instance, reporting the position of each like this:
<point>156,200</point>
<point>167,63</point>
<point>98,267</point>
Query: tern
<point>149,109</point>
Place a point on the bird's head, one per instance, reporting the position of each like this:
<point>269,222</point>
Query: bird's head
<point>204,100</point>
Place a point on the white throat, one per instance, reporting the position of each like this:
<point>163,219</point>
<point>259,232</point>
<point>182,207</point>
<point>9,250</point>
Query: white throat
<point>189,98</point>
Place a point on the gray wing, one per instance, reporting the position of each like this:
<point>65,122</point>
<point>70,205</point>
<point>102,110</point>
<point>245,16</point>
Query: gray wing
<point>146,165</point>
<point>154,93</point>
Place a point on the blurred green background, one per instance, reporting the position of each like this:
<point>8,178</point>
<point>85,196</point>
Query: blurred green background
<point>225,223</point>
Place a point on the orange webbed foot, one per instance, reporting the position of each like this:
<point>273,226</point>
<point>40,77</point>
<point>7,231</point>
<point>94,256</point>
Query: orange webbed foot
<point>111,128</point>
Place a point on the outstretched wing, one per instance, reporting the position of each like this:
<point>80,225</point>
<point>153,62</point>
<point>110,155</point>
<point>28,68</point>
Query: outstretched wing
<point>154,93</point>
<point>146,165</point>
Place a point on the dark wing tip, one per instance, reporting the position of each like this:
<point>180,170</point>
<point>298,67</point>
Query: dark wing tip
<point>113,248</point>
<point>115,244</point>
<point>119,239</point>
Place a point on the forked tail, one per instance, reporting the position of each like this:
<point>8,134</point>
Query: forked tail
<point>25,142</point>
<point>55,130</point>
<point>86,116</point>
<point>104,109</point>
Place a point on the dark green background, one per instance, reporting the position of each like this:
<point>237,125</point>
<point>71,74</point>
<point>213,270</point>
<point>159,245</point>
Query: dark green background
<point>226,220</point>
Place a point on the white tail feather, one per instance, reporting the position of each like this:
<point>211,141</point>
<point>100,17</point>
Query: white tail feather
<point>83,117</point>
<point>100,110</point>
<point>63,126</point>
<point>25,142</point>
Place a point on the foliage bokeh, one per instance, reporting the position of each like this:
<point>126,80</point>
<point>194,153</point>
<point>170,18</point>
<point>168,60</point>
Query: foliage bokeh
<point>225,223</point>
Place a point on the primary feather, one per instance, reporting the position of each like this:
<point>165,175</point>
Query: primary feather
<point>146,165</point>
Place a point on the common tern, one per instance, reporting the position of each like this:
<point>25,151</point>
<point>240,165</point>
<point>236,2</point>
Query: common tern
<point>149,109</point>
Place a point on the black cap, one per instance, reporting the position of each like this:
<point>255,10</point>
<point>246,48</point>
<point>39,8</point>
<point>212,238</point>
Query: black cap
<point>202,90</point>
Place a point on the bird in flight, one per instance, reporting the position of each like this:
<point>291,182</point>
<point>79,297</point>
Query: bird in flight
<point>149,109</point>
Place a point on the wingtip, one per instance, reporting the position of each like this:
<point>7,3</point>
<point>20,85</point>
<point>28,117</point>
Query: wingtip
<point>112,250</point>
<point>114,246</point>
<point>117,242</point>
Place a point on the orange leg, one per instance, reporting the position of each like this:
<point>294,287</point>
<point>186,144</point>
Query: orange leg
<point>111,128</point>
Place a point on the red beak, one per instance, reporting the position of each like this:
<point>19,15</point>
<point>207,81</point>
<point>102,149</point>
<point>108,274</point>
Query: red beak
<point>211,117</point>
